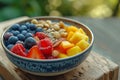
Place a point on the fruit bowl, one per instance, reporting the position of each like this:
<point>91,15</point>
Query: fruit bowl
<point>47,67</point>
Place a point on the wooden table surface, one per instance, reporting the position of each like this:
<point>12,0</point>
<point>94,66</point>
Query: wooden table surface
<point>107,36</point>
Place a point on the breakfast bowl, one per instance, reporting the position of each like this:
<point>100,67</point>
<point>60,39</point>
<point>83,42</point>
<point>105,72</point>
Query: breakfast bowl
<point>51,66</point>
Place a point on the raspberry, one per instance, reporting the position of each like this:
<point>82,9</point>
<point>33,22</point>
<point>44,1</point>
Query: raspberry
<point>41,35</point>
<point>46,46</point>
<point>19,49</point>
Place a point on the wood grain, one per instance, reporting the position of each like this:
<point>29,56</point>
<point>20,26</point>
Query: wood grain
<point>95,67</point>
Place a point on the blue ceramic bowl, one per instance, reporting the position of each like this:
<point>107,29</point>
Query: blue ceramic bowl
<point>55,66</point>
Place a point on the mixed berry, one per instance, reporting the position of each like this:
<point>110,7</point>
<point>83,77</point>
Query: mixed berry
<point>44,39</point>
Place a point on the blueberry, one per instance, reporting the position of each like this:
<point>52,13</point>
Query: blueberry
<point>32,27</point>
<point>28,35</point>
<point>22,27</point>
<point>39,29</point>
<point>15,26</point>
<point>27,24</point>
<point>7,35</point>
<point>28,30</point>
<point>21,37</point>
<point>10,46</point>
<point>31,31</point>
<point>12,39</point>
<point>15,33</point>
<point>6,43</point>
<point>24,32</point>
<point>9,30</point>
<point>29,42</point>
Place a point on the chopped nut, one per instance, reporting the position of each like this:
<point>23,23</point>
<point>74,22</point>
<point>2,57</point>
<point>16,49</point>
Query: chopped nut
<point>62,30</point>
<point>55,53</point>
<point>49,30</point>
<point>52,29</point>
<point>39,25</point>
<point>41,22</point>
<point>56,34</point>
<point>56,27</point>
<point>49,22</point>
<point>46,25</point>
<point>57,42</point>
<point>61,24</point>
<point>63,34</point>
<point>34,21</point>
<point>44,28</point>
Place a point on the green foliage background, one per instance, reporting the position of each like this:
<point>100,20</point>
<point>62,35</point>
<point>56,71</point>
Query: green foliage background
<point>89,8</point>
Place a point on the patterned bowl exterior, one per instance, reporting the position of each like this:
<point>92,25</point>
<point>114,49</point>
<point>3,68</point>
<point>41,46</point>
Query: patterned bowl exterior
<point>51,67</point>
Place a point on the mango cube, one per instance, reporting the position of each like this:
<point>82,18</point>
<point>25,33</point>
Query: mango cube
<point>72,28</point>
<point>73,51</point>
<point>83,44</point>
<point>86,38</point>
<point>76,37</point>
<point>64,45</point>
<point>70,35</point>
<point>81,31</point>
<point>62,55</point>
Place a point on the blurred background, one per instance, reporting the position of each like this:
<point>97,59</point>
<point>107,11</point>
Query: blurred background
<point>84,8</point>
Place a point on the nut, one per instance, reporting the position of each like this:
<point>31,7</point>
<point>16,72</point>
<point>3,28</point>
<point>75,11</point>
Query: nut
<point>34,21</point>
<point>49,30</point>
<point>39,25</point>
<point>56,27</point>
<point>62,30</point>
<point>49,22</point>
<point>55,53</point>
<point>41,22</point>
<point>46,25</point>
<point>56,34</point>
<point>63,34</point>
<point>44,28</point>
<point>61,24</point>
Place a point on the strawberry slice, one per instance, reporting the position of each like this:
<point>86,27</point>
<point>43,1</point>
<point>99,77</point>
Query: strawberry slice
<point>19,49</point>
<point>46,46</point>
<point>41,35</point>
<point>35,53</point>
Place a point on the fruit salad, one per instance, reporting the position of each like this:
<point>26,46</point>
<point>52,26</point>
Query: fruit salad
<point>44,39</point>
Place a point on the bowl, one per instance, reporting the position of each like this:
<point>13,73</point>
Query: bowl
<point>50,67</point>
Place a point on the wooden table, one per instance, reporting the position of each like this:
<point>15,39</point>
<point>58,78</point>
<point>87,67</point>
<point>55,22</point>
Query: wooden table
<point>95,67</point>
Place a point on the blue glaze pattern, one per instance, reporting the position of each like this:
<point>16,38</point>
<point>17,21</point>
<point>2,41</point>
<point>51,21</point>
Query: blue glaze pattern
<point>47,66</point>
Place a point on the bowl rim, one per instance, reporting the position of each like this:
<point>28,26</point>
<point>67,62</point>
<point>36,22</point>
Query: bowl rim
<point>52,18</point>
